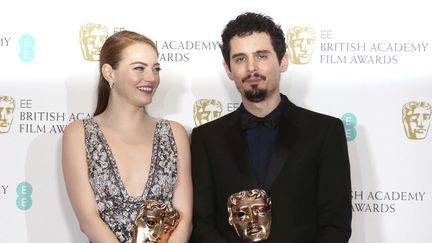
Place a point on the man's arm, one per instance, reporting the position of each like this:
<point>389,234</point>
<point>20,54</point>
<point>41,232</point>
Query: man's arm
<point>204,218</point>
<point>334,188</point>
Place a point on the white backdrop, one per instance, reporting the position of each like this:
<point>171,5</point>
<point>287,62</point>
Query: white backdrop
<point>43,70</point>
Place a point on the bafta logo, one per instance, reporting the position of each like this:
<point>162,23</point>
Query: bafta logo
<point>205,110</point>
<point>249,213</point>
<point>300,44</point>
<point>416,116</point>
<point>154,223</point>
<point>7,107</point>
<point>92,37</point>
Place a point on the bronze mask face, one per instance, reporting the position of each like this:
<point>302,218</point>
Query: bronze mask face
<point>250,214</point>
<point>154,223</point>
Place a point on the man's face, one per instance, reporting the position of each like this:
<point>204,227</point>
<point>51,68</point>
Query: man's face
<point>301,47</point>
<point>251,218</point>
<point>6,115</point>
<point>417,122</point>
<point>91,43</point>
<point>254,67</point>
<point>207,112</point>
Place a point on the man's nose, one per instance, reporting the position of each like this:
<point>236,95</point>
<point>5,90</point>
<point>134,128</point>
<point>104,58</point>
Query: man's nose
<point>252,65</point>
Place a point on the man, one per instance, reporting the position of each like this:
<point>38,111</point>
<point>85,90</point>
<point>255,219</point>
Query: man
<point>297,156</point>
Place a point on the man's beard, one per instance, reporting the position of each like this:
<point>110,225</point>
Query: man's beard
<point>255,94</point>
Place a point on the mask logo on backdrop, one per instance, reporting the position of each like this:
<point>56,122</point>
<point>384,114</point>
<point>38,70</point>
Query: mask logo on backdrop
<point>26,52</point>
<point>205,110</point>
<point>300,42</point>
<point>7,108</point>
<point>349,121</point>
<point>24,200</point>
<point>92,37</point>
<point>416,117</point>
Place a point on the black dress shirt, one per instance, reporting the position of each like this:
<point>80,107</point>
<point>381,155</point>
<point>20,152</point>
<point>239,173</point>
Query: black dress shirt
<point>260,140</point>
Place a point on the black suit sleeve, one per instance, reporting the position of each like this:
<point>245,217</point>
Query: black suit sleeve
<point>204,228</point>
<point>334,188</point>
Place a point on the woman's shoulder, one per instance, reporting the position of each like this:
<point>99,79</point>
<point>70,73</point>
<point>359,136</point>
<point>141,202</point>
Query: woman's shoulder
<point>178,129</point>
<point>74,128</point>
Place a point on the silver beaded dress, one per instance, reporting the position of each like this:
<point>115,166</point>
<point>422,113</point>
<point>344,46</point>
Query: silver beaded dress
<point>116,207</point>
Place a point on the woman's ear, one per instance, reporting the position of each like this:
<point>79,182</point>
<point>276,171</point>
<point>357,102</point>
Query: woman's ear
<point>107,72</point>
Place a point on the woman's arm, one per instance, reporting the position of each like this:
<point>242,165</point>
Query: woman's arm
<point>182,200</point>
<point>81,196</point>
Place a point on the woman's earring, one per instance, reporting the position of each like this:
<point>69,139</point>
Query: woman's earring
<point>111,84</point>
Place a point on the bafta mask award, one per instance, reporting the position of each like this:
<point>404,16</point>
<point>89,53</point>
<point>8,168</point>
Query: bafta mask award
<point>250,214</point>
<point>154,223</point>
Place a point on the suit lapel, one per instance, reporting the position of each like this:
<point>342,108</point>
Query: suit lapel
<point>286,138</point>
<point>237,145</point>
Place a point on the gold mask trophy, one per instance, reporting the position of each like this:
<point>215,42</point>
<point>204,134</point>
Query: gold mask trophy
<point>250,214</point>
<point>154,222</point>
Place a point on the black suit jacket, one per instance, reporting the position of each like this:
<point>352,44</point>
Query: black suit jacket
<point>308,178</point>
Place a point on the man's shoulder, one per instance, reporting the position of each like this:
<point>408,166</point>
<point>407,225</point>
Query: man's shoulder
<point>310,118</point>
<point>303,115</point>
<point>314,115</point>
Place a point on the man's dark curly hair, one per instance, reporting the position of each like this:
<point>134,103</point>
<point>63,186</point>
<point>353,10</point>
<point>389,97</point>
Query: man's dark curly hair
<point>247,23</point>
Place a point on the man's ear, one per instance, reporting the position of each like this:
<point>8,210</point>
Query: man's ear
<point>228,71</point>
<point>284,63</point>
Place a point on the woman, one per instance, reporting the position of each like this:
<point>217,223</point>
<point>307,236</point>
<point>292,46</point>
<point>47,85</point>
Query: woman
<point>115,160</point>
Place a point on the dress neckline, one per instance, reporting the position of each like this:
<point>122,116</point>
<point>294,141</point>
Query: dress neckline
<point>113,162</point>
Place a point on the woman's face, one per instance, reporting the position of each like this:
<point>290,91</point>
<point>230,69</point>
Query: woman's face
<point>136,77</point>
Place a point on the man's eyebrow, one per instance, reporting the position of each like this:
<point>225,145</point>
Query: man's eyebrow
<point>261,52</point>
<point>237,55</point>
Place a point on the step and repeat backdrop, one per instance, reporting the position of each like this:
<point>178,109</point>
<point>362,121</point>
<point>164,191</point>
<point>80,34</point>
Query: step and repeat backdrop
<point>367,63</point>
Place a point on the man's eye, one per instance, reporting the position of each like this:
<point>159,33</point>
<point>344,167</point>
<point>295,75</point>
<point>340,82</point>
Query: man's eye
<point>239,59</point>
<point>262,57</point>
